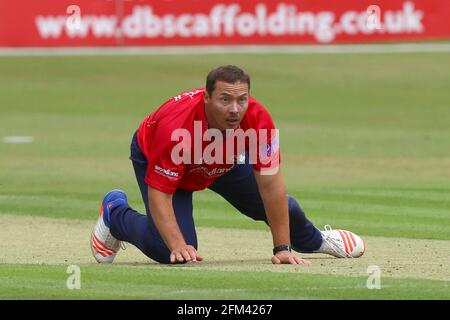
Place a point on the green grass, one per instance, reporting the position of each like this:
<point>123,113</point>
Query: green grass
<point>365,145</point>
<point>99,282</point>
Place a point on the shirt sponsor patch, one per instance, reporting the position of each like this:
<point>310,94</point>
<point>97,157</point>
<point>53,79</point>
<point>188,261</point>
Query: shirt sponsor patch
<point>205,172</point>
<point>166,172</point>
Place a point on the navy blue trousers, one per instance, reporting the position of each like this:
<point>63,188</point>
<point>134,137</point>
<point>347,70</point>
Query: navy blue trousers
<point>238,187</point>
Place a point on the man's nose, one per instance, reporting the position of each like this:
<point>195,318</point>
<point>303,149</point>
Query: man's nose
<point>234,108</point>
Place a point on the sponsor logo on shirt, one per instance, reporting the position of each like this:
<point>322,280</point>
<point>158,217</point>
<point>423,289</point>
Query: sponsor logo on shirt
<point>189,94</point>
<point>238,159</point>
<point>216,172</point>
<point>166,172</point>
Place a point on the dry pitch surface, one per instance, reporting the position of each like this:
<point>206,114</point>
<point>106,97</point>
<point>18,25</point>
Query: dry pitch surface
<point>36,240</point>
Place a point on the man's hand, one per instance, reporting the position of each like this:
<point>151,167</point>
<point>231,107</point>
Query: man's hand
<point>184,253</point>
<point>164,217</point>
<point>286,257</point>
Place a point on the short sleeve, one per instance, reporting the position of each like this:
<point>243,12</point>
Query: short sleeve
<point>162,173</point>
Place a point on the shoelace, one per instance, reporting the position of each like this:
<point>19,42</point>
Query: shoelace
<point>334,245</point>
<point>122,245</point>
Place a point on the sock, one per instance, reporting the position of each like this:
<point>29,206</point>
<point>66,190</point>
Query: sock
<point>324,245</point>
<point>111,206</point>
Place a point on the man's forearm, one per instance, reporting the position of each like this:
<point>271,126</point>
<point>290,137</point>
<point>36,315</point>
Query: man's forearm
<point>273,194</point>
<point>164,217</point>
<point>275,203</point>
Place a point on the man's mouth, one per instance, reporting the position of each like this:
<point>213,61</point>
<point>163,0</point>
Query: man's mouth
<point>233,120</point>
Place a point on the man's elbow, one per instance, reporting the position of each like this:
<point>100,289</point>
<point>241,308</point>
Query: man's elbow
<point>158,195</point>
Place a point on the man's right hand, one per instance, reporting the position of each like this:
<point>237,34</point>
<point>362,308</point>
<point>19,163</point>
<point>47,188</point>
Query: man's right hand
<point>164,217</point>
<point>184,253</point>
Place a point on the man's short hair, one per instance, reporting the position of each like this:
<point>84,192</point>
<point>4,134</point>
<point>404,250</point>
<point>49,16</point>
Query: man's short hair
<point>228,74</point>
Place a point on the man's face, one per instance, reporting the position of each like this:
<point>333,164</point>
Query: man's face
<point>227,105</point>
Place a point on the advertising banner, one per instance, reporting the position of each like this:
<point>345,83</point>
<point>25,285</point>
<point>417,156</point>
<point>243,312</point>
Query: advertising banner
<point>48,23</point>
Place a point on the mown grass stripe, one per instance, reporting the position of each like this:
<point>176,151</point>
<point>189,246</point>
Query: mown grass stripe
<point>382,210</point>
<point>49,282</point>
<point>387,199</point>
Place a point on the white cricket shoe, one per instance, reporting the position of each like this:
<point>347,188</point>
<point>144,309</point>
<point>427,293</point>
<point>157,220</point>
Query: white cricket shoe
<point>342,243</point>
<point>104,246</point>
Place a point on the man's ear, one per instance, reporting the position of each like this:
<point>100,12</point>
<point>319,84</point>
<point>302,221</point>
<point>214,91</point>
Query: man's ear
<point>206,97</point>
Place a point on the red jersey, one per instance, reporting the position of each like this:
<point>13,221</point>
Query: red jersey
<point>185,116</point>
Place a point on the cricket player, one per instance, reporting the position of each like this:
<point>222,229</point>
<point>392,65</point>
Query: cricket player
<point>186,146</point>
